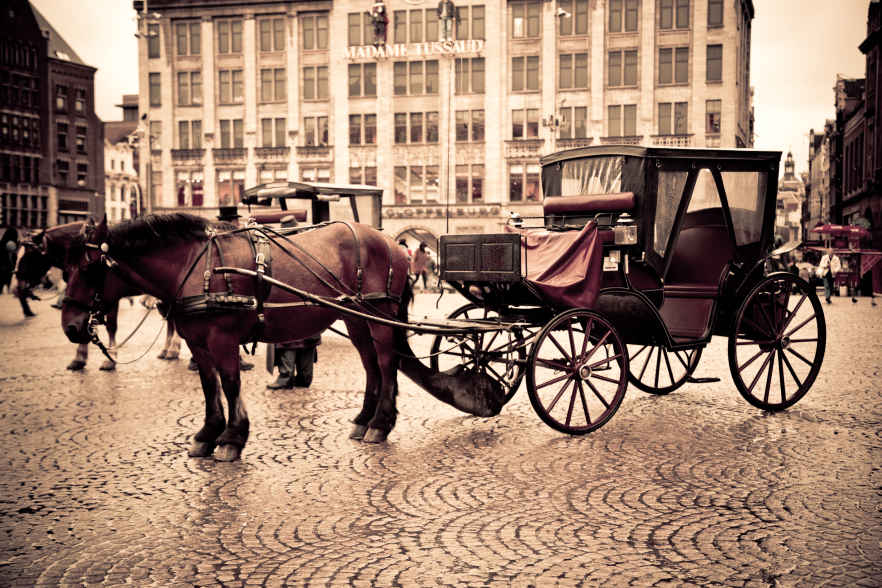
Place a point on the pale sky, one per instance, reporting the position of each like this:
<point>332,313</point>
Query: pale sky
<point>798,47</point>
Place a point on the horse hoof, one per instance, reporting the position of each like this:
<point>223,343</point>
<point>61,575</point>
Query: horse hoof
<point>76,365</point>
<point>375,436</point>
<point>201,449</point>
<point>161,355</point>
<point>107,366</point>
<point>227,453</point>
<point>358,432</point>
<point>171,355</point>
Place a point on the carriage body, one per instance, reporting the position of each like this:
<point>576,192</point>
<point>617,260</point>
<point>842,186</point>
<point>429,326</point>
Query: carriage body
<point>685,234</point>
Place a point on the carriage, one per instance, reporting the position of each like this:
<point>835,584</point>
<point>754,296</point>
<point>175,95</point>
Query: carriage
<point>642,255</point>
<point>678,242</point>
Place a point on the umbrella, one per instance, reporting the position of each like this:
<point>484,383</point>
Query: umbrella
<point>850,231</point>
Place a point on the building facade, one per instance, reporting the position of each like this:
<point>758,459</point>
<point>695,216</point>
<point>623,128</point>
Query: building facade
<point>789,205</point>
<point>817,189</point>
<point>24,175</point>
<point>234,94</point>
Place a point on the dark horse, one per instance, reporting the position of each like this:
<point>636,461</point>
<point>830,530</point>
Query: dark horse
<point>49,248</point>
<point>176,257</point>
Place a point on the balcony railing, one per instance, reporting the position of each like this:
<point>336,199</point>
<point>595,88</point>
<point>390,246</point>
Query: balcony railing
<point>673,140</point>
<point>314,152</point>
<point>184,154</point>
<point>271,152</point>
<point>524,148</point>
<point>229,154</point>
<point>574,143</point>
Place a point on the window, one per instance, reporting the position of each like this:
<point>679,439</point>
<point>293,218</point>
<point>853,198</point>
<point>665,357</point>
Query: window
<point>470,75</point>
<point>363,175</point>
<point>573,122</point>
<point>230,185</point>
<point>188,38</point>
<point>155,134</point>
<point>622,120</point>
<point>189,88</point>
<point>470,183</point>
<point>232,134</point>
<point>154,89</point>
<point>230,86</point>
<point>525,18</point>
<point>315,31</point>
<point>81,139</point>
<point>523,182</point>
<point>315,131</point>
<point>623,16</point>
<point>469,125</point>
<point>673,14</point>
<point>61,97</point>
<point>676,126</point>
<point>670,72</point>
<point>712,116</point>
<point>525,73</point>
<point>355,28</point>
<point>315,174</point>
<point>272,132</point>
<point>622,68</point>
<point>62,136</point>
<point>362,79</point>
<point>229,35</point>
<point>82,173</point>
<point>315,83</point>
<point>469,22</point>
<point>416,184</point>
<point>152,41</point>
<point>415,77</point>
<point>271,32</point>
<point>573,71</point>
<point>189,188</point>
<point>714,13</point>
<point>714,63</point>
<point>415,127</point>
<point>80,100</point>
<point>63,168</point>
<point>577,22</point>
<point>362,129</point>
<point>189,134</point>
<point>525,123</point>
<point>272,84</point>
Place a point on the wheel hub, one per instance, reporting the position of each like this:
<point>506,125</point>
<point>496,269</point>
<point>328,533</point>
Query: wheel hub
<point>584,372</point>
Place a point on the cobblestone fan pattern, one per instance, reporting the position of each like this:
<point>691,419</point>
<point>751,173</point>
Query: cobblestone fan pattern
<point>695,488</point>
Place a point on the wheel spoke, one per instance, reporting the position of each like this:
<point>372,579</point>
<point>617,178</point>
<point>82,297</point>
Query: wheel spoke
<point>556,344</point>
<point>758,328</point>
<point>799,355</point>
<point>781,377</point>
<point>750,361</point>
<point>761,370</point>
<point>584,402</point>
<point>771,323</point>
<point>755,342</point>
<point>572,342</point>
<point>800,325</point>
<point>597,393</point>
<point>793,312</point>
<point>768,379</point>
<point>803,340</point>
<point>658,364</point>
<point>792,372</point>
<point>552,364</point>
<point>670,371</point>
<point>563,389</point>
<point>572,403</point>
<point>685,363</point>
<point>642,349</point>
<point>606,361</point>
<point>605,379</point>
<point>588,329</point>
<point>645,363</point>
<point>598,345</point>
<point>553,381</point>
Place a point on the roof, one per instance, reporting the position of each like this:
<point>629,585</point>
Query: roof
<point>309,190</point>
<point>662,152</point>
<point>117,131</point>
<point>58,47</point>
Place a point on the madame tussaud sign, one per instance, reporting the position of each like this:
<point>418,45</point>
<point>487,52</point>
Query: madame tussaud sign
<point>416,49</point>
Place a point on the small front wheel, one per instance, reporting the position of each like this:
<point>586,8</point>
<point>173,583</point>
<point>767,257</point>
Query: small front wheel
<point>777,344</point>
<point>577,372</point>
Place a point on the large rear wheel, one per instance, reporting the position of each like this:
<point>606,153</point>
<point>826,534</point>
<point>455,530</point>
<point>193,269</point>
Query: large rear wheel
<point>578,372</point>
<point>501,355</point>
<point>778,342</point>
<point>655,369</point>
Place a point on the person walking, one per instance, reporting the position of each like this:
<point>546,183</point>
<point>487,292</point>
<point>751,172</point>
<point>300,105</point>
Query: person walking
<point>420,264</point>
<point>827,269</point>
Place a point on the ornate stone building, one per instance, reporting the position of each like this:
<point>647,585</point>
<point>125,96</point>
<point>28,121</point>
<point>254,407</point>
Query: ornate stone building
<point>240,93</point>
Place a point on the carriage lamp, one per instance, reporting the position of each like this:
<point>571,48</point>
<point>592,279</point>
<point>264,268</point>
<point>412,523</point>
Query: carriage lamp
<point>625,230</point>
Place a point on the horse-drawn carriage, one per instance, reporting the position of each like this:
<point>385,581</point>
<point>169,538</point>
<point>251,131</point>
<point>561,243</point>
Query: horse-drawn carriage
<point>641,257</point>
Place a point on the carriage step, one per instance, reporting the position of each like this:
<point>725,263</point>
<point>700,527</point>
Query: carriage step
<point>702,380</point>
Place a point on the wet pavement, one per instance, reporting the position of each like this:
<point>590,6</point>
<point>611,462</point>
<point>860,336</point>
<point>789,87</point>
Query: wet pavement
<point>694,488</point>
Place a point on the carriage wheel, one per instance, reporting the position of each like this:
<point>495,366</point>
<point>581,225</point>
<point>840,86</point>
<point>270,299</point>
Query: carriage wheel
<point>578,372</point>
<point>499,354</point>
<point>778,342</point>
<point>654,369</point>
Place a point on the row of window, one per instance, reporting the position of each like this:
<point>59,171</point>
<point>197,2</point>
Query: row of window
<point>19,91</point>
<point>423,127</point>
<point>419,25</point>
<point>19,131</point>
<point>62,130</point>
<point>24,210</point>
<point>62,170</point>
<point>412,78</point>
<point>19,169</point>
<point>62,96</point>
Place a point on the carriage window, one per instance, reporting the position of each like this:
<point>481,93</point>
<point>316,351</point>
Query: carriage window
<point>595,175</point>
<point>704,195</point>
<point>745,192</point>
<point>670,190</point>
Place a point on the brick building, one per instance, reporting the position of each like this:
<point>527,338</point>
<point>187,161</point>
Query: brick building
<point>241,93</point>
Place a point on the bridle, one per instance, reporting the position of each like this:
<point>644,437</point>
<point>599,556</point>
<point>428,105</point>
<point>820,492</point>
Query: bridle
<point>97,307</point>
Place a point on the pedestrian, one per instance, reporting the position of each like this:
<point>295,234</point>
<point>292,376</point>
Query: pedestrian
<point>403,243</point>
<point>295,359</point>
<point>420,264</point>
<point>827,269</point>
<point>8,255</point>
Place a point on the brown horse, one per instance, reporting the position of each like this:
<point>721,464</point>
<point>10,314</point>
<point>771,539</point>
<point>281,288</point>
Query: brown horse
<point>48,248</point>
<point>176,257</point>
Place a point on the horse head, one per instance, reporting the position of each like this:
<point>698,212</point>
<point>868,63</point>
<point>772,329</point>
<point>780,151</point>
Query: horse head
<point>86,266</point>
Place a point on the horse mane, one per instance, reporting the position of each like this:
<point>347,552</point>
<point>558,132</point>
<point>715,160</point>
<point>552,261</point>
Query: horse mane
<point>144,233</point>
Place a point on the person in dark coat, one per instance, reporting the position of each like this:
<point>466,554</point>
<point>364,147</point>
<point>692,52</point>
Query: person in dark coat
<point>8,254</point>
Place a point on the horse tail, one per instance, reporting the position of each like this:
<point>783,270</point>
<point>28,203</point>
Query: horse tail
<point>468,391</point>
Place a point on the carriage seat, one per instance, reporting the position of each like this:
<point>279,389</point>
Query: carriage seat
<point>588,204</point>
<point>276,216</point>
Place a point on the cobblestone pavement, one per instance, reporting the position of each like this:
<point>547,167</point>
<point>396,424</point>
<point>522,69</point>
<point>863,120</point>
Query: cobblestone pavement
<point>695,488</point>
